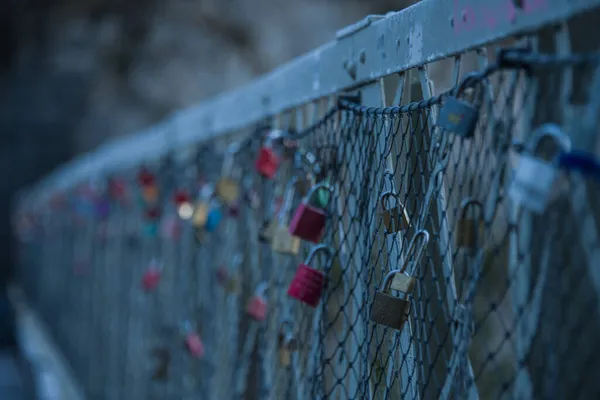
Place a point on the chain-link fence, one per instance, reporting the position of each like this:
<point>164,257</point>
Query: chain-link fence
<point>444,247</point>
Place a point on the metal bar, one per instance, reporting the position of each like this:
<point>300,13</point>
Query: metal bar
<point>397,42</point>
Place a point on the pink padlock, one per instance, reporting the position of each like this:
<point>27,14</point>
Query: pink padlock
<point>151,277</point>
<point>308,283</point>
<point>257,306</point>
<point>308,222</point>
<point>267,162</point>
<point>193,342</point>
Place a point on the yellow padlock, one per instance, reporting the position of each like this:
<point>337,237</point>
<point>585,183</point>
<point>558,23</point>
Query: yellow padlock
<point>468,230</point>
<point>228,190</point>
<point>283,242</point>
<point>200,214</point>
<point>287,343</point>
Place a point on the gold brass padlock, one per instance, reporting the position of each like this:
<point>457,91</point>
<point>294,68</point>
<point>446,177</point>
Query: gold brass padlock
<point>228,190</point>
<point>468,230</point>
<point>287,343</point>
<point>393,311</point>
<point>284,242</point>
<point>150,194</point>
<point>200,214</point>
<point>394,220</point>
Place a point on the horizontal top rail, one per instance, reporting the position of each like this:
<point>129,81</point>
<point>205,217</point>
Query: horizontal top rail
<point>427,31</point>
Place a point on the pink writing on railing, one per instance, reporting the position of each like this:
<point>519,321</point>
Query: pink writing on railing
<point>488,15</point>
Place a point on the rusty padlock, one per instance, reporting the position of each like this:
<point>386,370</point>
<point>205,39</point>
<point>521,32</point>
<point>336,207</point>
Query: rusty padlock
<point>286,342</point>
<point>468,230</point>
<point>308,222</point>
<point>308,283</point>
<point>394,220</point>
<point>257,305</point>
<point>283,242</point>
<point>393,311</point>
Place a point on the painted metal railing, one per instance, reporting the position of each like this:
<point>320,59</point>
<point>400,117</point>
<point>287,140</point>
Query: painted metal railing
<point>449,248</point>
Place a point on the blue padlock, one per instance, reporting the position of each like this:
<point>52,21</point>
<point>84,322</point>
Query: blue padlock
<point>459,116</point>
<point>212,220</point>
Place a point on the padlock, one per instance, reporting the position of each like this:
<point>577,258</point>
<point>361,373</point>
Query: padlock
<point>213,219</point>
<point>151,278</point>
<point>534,178</point>
<point>150,228</point>
<point>308,222</point>
<point>181,197</point>
<point>308,283</point>
<point>163,357</point>
<point>145,178</point>
<point>267,162</point>
<point>283,242</point>
<point>393,311</point>
<point>286,343</point>
<point>194,345</point>
<point>228,190</point>
<point>458,116</point>
<point>150,194</point>
<point>257,305</point>
<point>393,219</point>
<point>468,230</point>
<point>200,214</point>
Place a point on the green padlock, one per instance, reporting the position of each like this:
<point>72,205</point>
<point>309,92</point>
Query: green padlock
<point>150,229</point>
<point>322,197</point>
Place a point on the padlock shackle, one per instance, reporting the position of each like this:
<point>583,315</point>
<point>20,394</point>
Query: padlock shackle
<point>387,194</point>
<point>467,80</point>
<point>553,132</point>
<point>317,249</point>
<point>412,250</point>
<point>261,289</point>
<point>468,203</point>
<point>313,190</point>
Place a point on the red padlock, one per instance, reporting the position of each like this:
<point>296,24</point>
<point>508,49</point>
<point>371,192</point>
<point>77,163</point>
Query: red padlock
<point>308,222</point>
<point>257,306</point>
<point>308,283</point>
<point>145,178</point>
<point>267,162</point>
<point>181,197</point>
<point>193,342</point>
<point>151,277</point>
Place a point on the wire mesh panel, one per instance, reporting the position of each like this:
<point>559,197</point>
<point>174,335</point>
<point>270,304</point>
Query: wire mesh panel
<point>445,246</point>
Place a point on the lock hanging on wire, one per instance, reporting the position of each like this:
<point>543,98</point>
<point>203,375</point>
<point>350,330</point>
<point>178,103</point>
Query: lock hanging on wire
<point>459,116</point>
<point>287,342</point>
<point>227,188</point>
<point>152,276</point>
<point>394,220</point>
<point>257,305</point>
<point>283,242</point>
<point>308,222</point>
<point>308,283</point>
<point>535,176</point>
<point>468,230</point>
<point>267,162</point>
<point>394,311</point>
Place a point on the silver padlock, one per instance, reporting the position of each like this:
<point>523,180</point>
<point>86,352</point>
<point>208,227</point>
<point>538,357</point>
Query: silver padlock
<point>535,175</point>
<point>459,116</point>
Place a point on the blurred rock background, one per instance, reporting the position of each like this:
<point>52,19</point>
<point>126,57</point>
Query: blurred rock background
<point>77,72</point>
